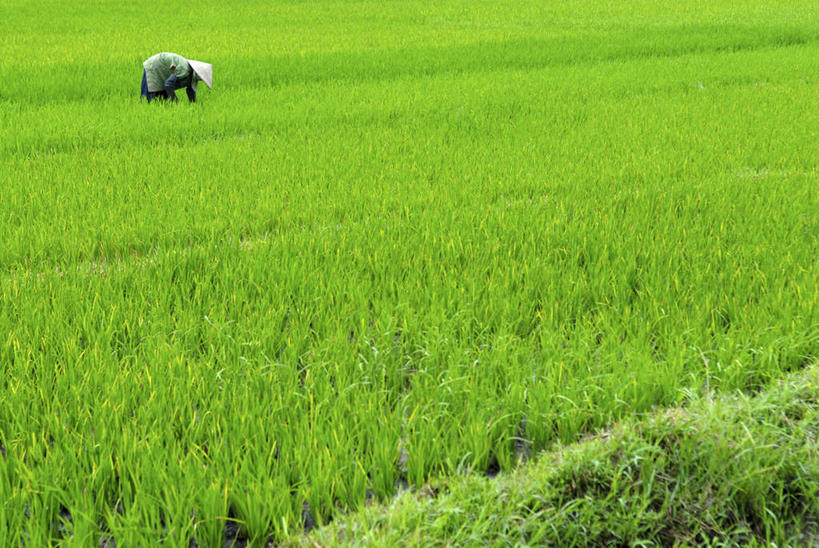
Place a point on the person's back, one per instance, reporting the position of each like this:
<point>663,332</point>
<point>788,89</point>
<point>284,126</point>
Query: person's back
<point>166,72</point>
<point>159,68</point>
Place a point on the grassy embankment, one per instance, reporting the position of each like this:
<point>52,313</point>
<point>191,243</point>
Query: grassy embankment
<point>736,470</point>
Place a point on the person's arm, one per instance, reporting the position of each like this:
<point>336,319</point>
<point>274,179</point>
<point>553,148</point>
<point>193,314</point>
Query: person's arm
<point>191,91</point>
<point>170,87</point>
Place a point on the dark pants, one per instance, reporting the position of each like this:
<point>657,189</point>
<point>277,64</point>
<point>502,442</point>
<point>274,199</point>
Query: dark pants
<point>151,95</point>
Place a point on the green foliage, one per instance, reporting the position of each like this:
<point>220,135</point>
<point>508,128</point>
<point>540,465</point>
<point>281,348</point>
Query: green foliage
<point>395,242</point>
<point>737,470</point>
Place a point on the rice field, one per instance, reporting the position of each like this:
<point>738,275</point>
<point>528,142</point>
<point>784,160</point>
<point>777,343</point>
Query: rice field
<point>397,241</point>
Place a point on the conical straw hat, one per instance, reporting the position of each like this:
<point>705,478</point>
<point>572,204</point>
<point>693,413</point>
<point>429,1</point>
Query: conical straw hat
<point>203,70</point>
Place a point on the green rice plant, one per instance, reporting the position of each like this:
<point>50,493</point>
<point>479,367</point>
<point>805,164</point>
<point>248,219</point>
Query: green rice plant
<point>394,243</point>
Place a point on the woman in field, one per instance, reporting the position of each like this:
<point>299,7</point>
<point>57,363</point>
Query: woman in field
<point>165,72</point>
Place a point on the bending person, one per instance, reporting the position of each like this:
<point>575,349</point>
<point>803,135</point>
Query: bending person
<point>165,72</point>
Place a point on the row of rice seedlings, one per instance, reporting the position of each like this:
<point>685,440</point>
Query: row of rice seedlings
<point>290,179</point>
<point>41,127</point>
<point>352,48</point>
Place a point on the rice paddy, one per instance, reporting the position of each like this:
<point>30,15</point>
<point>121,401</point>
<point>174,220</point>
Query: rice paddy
<point>397,241</point>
